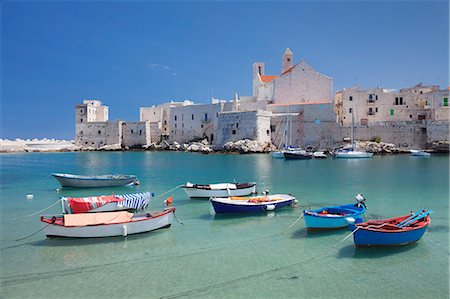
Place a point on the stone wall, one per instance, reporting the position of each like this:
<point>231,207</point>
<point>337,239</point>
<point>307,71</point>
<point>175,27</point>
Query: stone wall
<point>233,126</point>
<point>193,122</point>
<point>136,134</point>
<point>98,134</point>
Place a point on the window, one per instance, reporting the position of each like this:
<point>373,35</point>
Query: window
<point>201,126</point>
<point>288,60</point>
<point>99,132</point>
<point>376,109</point>
<point>165,122</point>
<point>81,110</point>
<point>396,101</point>
<point>237,125</point>
<point>175,125</point>
<point>350,110</point>
<point>182,116</point>
<point>350,98</point>
<point>81,120</point>
<point>192,116</point>
<point>401,100</point>
<point>370,96</point>
<point>376,97</point>
<point>259,70</point>
<point>206,116</point>
<point>445,102</point>
<point>268,132</point>
<point>81,132</point>
<point>175,118</point>
<point>140,132</point>
<point>410,116</point>
<point>182,125</point>
<point>391,113</point>
<point>273,128</point>
<point>131,131</point>
<point>233,132</point>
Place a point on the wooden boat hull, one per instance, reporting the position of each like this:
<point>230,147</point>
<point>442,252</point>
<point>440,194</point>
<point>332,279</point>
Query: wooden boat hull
<point>226,205</point>
<point>76,181</point>
<point>315,221</point>
<point>297,156</point>
<point>141,224</point>
<point>198,192</point>
<point>366,238</point>
<point>386,232</point>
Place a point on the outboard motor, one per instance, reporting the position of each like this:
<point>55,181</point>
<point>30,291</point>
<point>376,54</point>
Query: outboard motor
<point>360,199</point>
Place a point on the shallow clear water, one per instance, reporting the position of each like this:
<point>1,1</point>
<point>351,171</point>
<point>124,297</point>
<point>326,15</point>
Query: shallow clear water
<point>226,256</point>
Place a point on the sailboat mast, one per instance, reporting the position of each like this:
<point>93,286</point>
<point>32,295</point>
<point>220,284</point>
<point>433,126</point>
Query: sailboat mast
<point>353,134</point>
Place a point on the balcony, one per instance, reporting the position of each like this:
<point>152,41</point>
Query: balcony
<point>371,101</point>
<point>370,112</point>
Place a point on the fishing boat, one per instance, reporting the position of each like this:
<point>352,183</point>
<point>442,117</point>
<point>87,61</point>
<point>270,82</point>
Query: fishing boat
<point>105,203</point>
<point>352,153</point>
<point>83,181</point>
<point>334,217</point>
<point>237,204</point>
<point>219,190</point>
<point>392,231</point>
<point>297,155</point>
<point>107,224</point>
<point>419,153</point>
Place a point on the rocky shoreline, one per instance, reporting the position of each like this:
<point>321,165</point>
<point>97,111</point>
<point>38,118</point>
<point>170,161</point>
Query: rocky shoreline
<point>238,147</point>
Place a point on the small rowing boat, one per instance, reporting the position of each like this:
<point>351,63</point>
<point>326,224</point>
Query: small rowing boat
<point>334,217</point>
<point>83,181</point>
<point>107,224</point>
<point>219,190</point>
<point>237,204</point>
<point>392,231</point>
<point>419,153</point>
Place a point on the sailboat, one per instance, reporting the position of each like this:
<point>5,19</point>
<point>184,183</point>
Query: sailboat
<point>351,153</point>
<point>280,154</point>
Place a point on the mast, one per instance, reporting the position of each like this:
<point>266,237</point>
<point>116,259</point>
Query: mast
<point>353,133</point>
<point>290,128</point>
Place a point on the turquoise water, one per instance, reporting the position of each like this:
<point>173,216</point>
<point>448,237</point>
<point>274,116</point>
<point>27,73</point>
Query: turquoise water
<point>226,257</point>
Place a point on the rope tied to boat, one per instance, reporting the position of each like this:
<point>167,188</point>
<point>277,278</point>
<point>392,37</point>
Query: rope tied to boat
<point>171,190</point>
<point>33,233</point>
<point>38,212</point>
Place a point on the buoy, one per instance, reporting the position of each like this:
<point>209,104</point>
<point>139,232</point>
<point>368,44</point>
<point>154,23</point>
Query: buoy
<point>169,200</point>
<point>30,196</point>
<point>58,190</point>
<point>270,207</point>
<point>137,183</point>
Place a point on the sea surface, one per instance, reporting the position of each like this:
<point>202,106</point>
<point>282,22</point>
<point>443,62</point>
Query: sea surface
<point>208,256</point>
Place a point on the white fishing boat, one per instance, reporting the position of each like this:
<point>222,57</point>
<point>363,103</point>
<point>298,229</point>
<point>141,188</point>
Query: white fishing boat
<point>419,153</point>
<point>351,153</point>
<point>83,181</point>
<point>105,203</point>
<point>108,224</point>
<point>219,190</point>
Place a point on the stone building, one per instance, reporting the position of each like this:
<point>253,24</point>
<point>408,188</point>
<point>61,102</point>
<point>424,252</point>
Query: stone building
<point>378,105</point>
<point>158,116</point>
<point>93,128</point>
<point>298,83</point>
<point>239,125</point>
<point>197,121</point>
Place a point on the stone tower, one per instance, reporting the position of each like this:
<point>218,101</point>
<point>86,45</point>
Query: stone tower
<point>288,60</point>
<point>258,70</point>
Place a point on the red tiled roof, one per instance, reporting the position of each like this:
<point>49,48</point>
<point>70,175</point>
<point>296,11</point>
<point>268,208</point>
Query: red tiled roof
<point>266,79</point>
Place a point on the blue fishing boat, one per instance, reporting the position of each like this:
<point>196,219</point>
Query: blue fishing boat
<point>334,217</point>
<point>237,204</point>
<point>392,231</point>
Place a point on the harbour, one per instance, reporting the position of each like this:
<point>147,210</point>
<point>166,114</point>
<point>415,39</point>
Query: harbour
<point>206,255</point>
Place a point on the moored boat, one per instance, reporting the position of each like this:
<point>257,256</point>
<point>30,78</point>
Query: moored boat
<point>297,155</point>
<point>236,204</point>
<point>105,203</point>
<point>334,217</point>
<point>219,190</point>
<point>107,224</point>
<point>277,154</point>
<point>83,181</point>
<point>319,155</point>
<point>419,153</point>
<point>351,154</point>
<point>395,231</point>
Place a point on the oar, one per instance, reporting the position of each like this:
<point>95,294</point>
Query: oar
<point>423,215</point>
<point>409,218</point>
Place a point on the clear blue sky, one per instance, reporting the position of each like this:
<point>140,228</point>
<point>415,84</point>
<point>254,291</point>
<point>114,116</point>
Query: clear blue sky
<point>136,54</point>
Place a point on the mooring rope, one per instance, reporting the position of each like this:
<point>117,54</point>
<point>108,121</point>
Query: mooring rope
<point>173,189</point>
<point>35,213</point>
<point>33,233</point>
